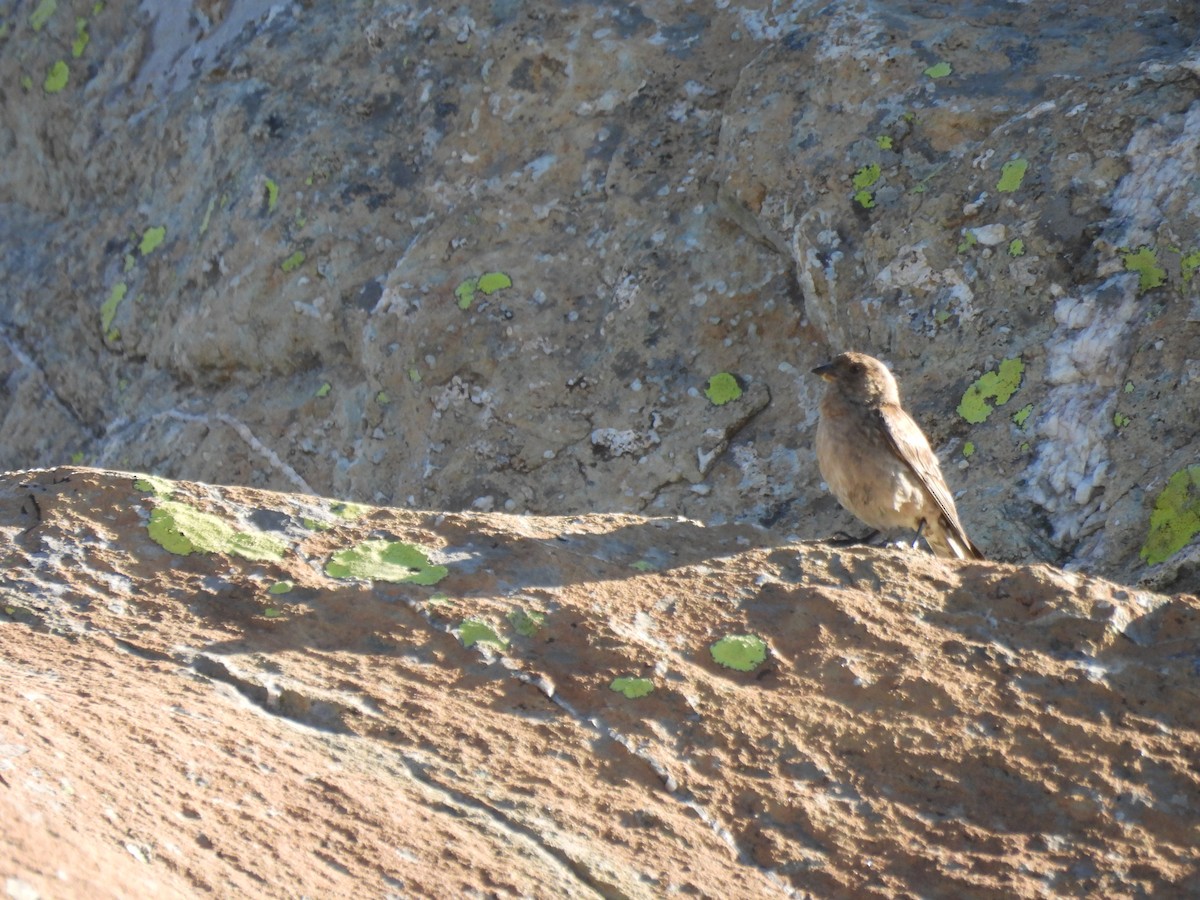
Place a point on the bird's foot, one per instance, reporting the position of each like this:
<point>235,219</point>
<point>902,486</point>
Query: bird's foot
<point>842,539</point>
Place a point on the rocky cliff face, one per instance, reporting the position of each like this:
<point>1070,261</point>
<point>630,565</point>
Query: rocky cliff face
<point>493,255</point>
<point>234,692</point>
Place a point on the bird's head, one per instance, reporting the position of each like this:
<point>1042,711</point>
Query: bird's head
<point>860,379</point>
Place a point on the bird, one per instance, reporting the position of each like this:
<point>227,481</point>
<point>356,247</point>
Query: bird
<point>877,461</point>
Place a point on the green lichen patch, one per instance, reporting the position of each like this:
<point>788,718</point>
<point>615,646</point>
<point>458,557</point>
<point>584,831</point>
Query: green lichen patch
<point>743,652</point>
<point>152,484</point>
<point>1022,414</point>
<point>272,612</point>
<point>1144,261</point>
<point>644,565</point>
<point>991,390</point>
<point>151,239</point>
<point>473,631</point>
<point>57,77</point>
<point>722,388</point>
<point>884,142</point>
<point>272,192</point>
<point>81,38</point>
<point>1128,389</point>
<point>349,511</point>
<point>490,282</point>
<point>939,70</point>
<point>323,390</point>
<point>392,561</point>
<point>1175,519</point>
<point>383,398</point>
<point>969,241</point>
<point>632,688</point>
<point>1120,420</point>
<point>526,622</point>
<point>42,13</point>
<point>1016,247</point>
<point>293,262</point>
<point>867,175</point>
<point>968,449</point>
<point>183,529</point>
<point>281,587</point>
<point>108,309</point>
<point>487,284</point>
<point>1012,173</point>
<point>1188,265</point>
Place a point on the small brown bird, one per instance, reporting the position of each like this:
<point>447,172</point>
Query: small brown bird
<point>876,460</point>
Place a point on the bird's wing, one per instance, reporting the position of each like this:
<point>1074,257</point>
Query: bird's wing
<point>908,442</point>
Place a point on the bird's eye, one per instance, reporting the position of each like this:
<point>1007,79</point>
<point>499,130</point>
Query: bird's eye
<point>857,368</point>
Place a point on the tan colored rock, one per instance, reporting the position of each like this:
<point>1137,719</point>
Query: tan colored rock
<point>914,726</point>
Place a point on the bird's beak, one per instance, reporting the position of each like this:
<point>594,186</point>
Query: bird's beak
<point>825,371</point>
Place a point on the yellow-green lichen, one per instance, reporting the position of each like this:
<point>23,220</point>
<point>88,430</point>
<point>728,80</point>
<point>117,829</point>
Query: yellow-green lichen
<point>644,565</point>
<point>526,623</point>
<point>382,398</point>
<point>414,375</point>
<point>349,511</point>
<point>632,688</point>
<point>1144,261</point>
<point>1120,420</point>
<point>487,284</point>
<point>1016,247</point>
<point>1175,519</point>
<point>56,78</point>
<point>939,70</point>
<point>281,587</point>
<point>968,449</point>
<point>1022,414</point>
<point>1128,389</point>
<point>883,142</point>
<point>863,179</point>
<point>272,194</point>
<point>183,529</point>
<point>1188,265</point>
<point>722,388</point>
<point>160,487</point>
<point>473,631</point>
<point>272,612</point>
<point>108,309</point>
<point>42,13</point>
<point>969,241</point>
<point>293,262</point>
<point>392,561</point>
<point>991,390</point>
<point>743,652</point>
<point>81,38</point>
<point>151,239</point>
<point>1012,173</point>
<point>323,390</point>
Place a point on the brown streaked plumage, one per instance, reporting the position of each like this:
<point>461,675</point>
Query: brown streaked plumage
<point>877,461</point>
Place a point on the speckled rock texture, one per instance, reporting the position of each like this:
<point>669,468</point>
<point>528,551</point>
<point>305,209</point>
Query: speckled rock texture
<point>648,707</point>
<point>491,255</point>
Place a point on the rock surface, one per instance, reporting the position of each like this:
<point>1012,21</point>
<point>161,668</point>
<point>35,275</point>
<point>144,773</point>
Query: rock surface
<point>242,720</point>
<point>490,255</point>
